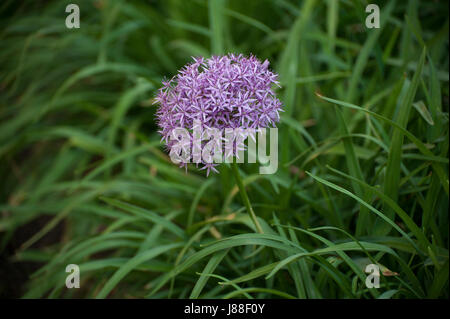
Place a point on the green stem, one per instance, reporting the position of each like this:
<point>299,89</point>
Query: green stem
<point>245,198</point>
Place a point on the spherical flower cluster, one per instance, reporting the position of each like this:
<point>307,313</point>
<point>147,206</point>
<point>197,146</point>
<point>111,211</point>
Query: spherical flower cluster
<point>231,91</point>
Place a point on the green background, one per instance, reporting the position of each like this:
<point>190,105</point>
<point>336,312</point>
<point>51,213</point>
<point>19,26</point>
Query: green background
<point>363,148</point>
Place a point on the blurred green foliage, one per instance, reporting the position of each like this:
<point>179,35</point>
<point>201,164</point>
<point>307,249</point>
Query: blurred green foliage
<point>362,178</point>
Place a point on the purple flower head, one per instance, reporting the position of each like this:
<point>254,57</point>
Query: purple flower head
<point>231,91</point>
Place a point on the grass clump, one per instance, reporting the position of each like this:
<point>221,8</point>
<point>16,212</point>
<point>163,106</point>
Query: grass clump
<point>362,178</point>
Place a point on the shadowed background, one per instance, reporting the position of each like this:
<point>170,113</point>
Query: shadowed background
<point>363,149</point>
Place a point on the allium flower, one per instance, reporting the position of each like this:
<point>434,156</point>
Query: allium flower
<point>231,91</point>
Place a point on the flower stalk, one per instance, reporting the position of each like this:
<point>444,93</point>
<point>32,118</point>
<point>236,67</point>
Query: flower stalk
<point>244,197</point>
